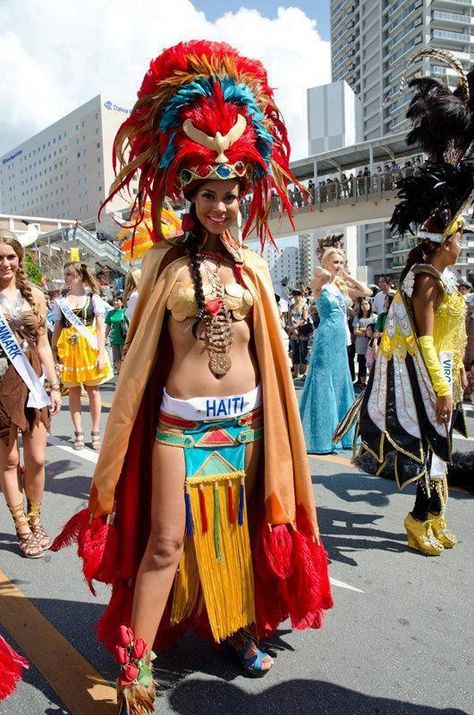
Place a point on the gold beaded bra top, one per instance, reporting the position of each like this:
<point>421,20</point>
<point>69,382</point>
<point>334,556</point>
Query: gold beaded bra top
<point>182,299</point>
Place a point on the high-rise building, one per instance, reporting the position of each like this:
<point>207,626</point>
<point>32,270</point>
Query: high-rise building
<point>64,171</point>
<point>371,41</point>
<point>282,263</point>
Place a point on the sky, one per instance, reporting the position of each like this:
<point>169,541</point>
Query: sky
<point>56,55</point>
<point>315,9</point>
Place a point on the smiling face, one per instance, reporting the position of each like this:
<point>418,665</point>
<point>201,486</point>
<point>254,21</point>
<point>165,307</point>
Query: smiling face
<point>217,205</point>
<point>9,262</point>
<point>334,263</point>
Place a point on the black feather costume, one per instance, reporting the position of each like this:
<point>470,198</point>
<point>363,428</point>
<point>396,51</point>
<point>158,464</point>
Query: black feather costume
<point>442,127</point>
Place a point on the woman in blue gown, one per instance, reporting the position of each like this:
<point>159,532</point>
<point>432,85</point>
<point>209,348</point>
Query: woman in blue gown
<point>328,392</point>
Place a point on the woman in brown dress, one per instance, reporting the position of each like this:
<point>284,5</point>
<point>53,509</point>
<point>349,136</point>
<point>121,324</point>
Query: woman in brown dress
<point>23,310</point>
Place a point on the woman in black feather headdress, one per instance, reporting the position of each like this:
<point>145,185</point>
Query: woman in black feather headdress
<point>414,396</point>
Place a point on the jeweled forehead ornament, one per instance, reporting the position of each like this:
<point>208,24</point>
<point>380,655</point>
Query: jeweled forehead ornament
<point>219,143</point>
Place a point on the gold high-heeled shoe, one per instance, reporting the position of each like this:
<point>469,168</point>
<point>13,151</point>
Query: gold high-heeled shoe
<point>421,537</point>
<point>441,531</point>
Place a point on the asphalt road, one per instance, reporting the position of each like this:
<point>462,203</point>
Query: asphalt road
<point>399,640</point>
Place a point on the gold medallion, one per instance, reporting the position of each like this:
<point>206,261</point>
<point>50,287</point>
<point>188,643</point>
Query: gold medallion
<point>219,363</point>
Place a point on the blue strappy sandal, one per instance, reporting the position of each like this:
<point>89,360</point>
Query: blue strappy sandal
<point>251,666</point>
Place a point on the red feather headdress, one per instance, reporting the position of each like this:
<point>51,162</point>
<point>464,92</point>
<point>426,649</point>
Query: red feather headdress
<point>204,112</point>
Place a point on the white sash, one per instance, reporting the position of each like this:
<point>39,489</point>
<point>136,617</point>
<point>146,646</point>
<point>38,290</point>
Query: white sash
<point>446,360</point>
<point>38,397</point>
<point>77,323</point>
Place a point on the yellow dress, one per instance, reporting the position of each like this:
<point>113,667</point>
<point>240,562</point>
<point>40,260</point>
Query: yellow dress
<point>77,357</point>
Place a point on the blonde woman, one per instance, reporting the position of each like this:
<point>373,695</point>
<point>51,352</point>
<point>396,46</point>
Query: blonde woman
<point>328,391</point>
<point>79,346</point>
<point>130,294</point>
<point>24,405</point>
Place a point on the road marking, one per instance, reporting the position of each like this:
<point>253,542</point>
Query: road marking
<point>88,454</point>
<point>332,458</point>
<point>77,684</point>
<point>341,584</point>
<point>460,438</point>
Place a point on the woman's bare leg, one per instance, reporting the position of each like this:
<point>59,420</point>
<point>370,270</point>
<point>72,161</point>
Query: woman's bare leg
<point>34,452</point>
<point>75,407</point>
<point>165,544</point>
<point>95,406</point>
<point>10,483</point>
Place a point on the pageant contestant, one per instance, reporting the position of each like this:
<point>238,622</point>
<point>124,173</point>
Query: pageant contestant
<point>24,404</point>
<point>414,396</point>
<point>204,463</point>
<point>328,390</point>
<point>79,346</point>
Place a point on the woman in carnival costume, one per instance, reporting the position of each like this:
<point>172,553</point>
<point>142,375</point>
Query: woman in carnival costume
<point>413,398</point>
<point>79,345</point>
<point>24,405</point>
<point>328,390</point>
<point>203,464</point>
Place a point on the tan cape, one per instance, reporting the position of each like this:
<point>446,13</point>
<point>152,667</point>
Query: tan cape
<point>286,471</point>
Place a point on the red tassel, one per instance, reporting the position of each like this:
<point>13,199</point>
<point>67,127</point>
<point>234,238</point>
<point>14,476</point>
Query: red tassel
<point>202,505</point>
<point>11,667</point>
<point>230,499</point>
<point>71,530</point>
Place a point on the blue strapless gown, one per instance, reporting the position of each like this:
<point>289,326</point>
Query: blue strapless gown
<point>328,391</point>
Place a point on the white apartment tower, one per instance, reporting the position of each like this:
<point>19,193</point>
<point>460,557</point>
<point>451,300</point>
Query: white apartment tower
<point>371,41</point>
<point>64,171</point>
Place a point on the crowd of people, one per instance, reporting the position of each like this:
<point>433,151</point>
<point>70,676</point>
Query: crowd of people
<point>201,514</point>
<point>344,185</point>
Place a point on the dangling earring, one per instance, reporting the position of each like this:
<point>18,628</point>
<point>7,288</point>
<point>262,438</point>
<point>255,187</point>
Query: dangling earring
<point>239,227</point>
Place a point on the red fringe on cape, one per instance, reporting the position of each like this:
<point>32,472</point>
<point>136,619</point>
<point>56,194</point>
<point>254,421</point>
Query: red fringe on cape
<point>11,668</point>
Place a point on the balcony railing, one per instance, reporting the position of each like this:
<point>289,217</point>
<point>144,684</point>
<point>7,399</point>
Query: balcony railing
<point>452,17</point>
<point>349,192</point>
<point>451,36</point>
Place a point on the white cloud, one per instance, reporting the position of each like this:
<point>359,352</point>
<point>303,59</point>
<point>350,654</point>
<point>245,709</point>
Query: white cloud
<point>58,54</point>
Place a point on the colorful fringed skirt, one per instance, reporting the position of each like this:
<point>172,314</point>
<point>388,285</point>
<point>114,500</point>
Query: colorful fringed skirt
<point>215,571</point>
<point>78,359</point>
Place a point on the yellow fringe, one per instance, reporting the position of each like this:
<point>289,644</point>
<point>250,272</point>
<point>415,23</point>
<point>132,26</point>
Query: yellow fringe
<point>225,586</point>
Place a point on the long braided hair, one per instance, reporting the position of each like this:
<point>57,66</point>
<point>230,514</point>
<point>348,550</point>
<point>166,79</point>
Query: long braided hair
<point>23,283</point>
<point>194,255</point>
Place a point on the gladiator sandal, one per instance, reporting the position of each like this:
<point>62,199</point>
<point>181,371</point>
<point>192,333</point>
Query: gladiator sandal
<point>421,537</point>
<point>27,541</point>
<point>136,689</point>
<point>96,441</point>
<point>34,520</point>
